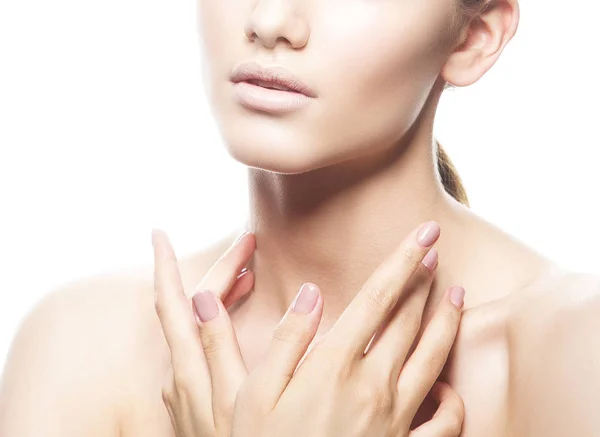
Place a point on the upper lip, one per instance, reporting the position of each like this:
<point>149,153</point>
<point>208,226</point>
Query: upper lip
<point>276,75</point>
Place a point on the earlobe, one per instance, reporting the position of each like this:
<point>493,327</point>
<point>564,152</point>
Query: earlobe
<point>486,36</point>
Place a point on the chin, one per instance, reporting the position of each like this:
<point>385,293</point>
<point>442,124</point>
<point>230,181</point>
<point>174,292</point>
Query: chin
<point>276,144</point>
<point>271,153</point>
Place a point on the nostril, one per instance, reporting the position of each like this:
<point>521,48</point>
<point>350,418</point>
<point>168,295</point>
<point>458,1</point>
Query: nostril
<point>249,32</point>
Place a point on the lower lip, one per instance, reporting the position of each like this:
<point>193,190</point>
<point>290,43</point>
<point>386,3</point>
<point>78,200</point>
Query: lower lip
<point>269,100</point>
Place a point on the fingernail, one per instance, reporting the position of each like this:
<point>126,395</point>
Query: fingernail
<point>306,299</point>
<point>431,259</point>
<point>428,234</point>
<point>241,236</point>
<point>457,296</point>
<point>206,305</point>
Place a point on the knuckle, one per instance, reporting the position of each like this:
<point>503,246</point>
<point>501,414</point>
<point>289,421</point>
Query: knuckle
<point>343,374</point>
<point>434,363</point>
<point>342,370</point>
<point>290,332</point>
<point>380,298</point>
<point>183,380</point>
<point>445,329</point>
<point>410,323</point>
<point>378,401</point>
<point>450,321</point>
<point>212,341</point>
<point>411,255</point>
<point>168,387</point>
<point>181,385</point>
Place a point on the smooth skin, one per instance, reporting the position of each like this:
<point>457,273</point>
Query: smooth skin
<point>339,389</point>
<point>333,189</point>
<point>91,358</point>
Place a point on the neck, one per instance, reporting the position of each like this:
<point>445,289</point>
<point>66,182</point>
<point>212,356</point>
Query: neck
<point>333,226</point>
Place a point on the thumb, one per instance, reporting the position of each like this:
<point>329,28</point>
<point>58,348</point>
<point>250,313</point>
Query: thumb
<point>449,416</point>
<point>221,349</point>
<point>291,340</point>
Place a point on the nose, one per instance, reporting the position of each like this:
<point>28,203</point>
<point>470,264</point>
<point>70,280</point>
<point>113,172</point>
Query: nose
<point>275,21</point>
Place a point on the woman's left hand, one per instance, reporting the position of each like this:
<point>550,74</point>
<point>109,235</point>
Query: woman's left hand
<point>195,409</point>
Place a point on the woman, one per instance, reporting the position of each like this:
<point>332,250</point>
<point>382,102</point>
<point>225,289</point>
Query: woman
<point>339,175</point>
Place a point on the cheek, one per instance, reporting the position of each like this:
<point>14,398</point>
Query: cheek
<point>372,69</point>
<point>381,62</point>
<point>220,25</point>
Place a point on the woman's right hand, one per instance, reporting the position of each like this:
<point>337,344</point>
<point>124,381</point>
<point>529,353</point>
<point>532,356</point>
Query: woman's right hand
<point>339,389</point>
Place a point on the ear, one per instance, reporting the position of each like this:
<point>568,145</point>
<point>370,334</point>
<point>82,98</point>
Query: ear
<point>486,36</point>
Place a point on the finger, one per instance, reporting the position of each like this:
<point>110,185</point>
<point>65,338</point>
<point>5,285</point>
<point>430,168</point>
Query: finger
<point>427,361</point>
<point>179,327</point>
<point>171,303</point>
<point>222,275</point>
<point>221,350</point>
<point>448,418</point>
<point>224,281</point>
<point>243,284</point>
<point>390,347</point>
<point>178,323</point>
<point>290,341</point>
<point>368,310</point>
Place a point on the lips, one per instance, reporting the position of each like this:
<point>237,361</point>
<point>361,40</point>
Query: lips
<point>270,85</point>
<point>275,77</point>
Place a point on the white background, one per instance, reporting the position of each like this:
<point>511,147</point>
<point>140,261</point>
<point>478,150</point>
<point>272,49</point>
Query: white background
<point>105,133</point>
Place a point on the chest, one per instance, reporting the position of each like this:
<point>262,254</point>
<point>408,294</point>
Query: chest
<point>478,369</point>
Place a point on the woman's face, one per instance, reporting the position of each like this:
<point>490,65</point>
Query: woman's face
<point>371,64</point>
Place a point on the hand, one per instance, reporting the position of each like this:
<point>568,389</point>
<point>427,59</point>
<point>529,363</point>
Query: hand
<point>338,389</point>
<point>187,392</point>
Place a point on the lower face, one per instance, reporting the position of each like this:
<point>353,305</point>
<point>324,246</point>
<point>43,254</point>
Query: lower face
<point>371,63</point>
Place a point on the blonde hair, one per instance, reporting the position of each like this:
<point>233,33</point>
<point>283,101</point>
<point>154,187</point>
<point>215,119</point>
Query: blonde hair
<point>450,178</point>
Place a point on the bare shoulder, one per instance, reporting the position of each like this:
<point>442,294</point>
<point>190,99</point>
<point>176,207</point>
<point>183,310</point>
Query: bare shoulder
<point>88,358</point>
<point>556,297</point>
<point>555,357</point>
<point>65,363</point>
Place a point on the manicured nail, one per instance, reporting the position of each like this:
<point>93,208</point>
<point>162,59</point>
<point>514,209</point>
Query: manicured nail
<point>428,234</point>
<point>457,296</point>
<point>431,259</point>
<point>306,299</point>
<point>206,305</point>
